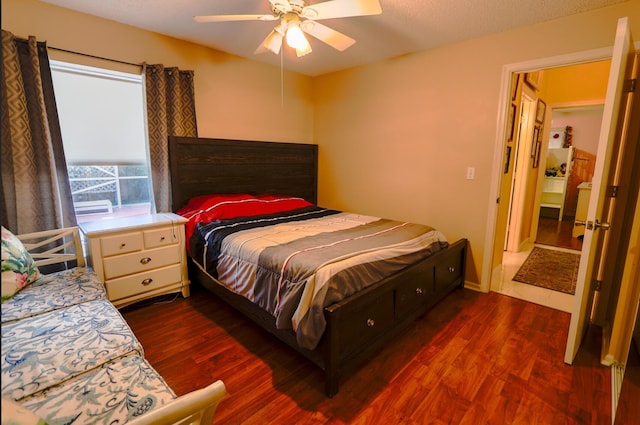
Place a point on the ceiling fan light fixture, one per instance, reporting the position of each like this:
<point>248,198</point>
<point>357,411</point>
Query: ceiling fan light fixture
<point>297,40</point>
<point>273,42</point>
<point>297,19</point>
<point>295,37</point>
<point>304,51</point>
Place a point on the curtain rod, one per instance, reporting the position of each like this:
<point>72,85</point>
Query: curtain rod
<point>94,56</point>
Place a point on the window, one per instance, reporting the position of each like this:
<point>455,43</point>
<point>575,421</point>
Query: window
<point>102,121</point>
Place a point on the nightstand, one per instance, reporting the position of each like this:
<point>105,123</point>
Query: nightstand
<point>138,257</point>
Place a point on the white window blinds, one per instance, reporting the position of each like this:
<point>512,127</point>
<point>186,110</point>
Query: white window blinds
<point>101,115</point>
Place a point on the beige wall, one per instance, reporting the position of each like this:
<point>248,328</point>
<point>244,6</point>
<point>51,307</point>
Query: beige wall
<point>235,98</point>
<point>397,137</point>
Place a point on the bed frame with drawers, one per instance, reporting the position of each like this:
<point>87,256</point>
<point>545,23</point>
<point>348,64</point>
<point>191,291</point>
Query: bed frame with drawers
<point>359,325</point>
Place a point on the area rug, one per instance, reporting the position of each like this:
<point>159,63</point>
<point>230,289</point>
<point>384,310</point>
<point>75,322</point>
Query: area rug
<point>551,269</point>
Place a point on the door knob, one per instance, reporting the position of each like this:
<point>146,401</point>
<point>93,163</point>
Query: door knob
<point>593,225</point>
<point>579,223</point>
<point>603,226</point>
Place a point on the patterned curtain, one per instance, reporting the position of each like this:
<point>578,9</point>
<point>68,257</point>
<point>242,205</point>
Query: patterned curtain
<point>35,186</point>
<point>171,111</point>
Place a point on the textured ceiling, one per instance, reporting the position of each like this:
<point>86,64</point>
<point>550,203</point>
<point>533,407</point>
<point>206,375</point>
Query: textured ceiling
<point>404,26</point>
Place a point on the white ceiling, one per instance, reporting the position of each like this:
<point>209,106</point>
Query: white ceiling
<point>404,26</point>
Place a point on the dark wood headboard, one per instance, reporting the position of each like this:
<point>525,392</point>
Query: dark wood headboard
<point>200,166</point>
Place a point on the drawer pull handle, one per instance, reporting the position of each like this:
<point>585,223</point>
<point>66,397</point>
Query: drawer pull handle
<point>371,323</point>
<point>145,260</point>
<point>452,269</point>
<point>147,281</point>
<point>162,238</point>
<point>123,245</point>
<point>419,291</point>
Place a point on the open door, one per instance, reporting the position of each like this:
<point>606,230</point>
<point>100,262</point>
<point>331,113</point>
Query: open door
<point>517,236</point>
<point>601,203</point>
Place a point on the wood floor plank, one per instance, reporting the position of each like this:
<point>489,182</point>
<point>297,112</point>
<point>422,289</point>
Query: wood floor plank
<point>490,405</point>
<point>473,359</point>
<point>629,412</point>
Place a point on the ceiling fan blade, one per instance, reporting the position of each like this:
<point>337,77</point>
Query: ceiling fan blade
<point>272,43</point>
<point>229,18</point>
<point>341,9</point>
<point>333,38</point>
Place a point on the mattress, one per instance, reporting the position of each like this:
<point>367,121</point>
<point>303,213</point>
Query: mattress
<point>43,351</point>
<point>52,292</point>
<point>293,258</point>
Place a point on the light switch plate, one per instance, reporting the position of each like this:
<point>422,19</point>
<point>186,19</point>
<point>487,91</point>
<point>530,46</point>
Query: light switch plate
<point>471,173</point>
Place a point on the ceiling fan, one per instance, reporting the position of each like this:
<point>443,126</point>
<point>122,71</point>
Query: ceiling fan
<point>296,18</point>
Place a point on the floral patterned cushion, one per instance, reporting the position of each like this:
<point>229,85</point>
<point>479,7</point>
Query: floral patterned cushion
<point>52,292</point>
<point>113,393</point>
<point>45,350</point>
<point>18,267</point>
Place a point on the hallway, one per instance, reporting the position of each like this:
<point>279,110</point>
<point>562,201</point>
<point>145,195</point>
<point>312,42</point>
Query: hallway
<point>557,233</point>
<point>552,234</point>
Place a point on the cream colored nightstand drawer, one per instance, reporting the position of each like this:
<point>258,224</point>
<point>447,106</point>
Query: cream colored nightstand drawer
<point>138,257</point>
<point>121,244</point>
<point>140,261</point>
<point>160,237</point>
<point>143,282</point>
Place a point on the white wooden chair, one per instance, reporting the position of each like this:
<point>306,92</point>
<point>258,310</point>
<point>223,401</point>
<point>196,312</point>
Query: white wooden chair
<point>197,407</point>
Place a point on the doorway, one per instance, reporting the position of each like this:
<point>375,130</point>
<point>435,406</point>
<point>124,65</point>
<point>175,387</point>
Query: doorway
<point>615,170</point>
<point>568,171</point>
<point>526,224</point>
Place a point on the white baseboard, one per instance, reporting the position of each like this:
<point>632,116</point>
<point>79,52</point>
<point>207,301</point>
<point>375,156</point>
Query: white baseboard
<point>473,286</point>
<point>617,376</point>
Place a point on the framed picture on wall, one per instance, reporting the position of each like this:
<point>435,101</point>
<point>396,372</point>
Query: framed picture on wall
<point>540,110</point>
<point>512,122</point>
<point>515,81</point>
<point>536,156</point>
<point>533,79</point>
<point>556,138</point>
<point>507,160</point>
<point>534,141</point>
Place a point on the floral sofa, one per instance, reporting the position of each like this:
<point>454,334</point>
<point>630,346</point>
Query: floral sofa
<point>68,355</point>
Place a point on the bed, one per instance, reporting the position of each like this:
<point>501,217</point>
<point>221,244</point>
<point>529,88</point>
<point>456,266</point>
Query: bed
<point>237,237</point>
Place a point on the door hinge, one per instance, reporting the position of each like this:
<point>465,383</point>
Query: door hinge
<point>630,85</point>
<point>597,285</point>
<point>613,191</point>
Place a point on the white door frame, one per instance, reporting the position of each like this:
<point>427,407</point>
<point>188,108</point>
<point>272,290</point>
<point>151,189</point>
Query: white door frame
<point>499,144</point>
<point>514,240</point>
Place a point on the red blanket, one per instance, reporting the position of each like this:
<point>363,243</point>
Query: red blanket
<point>205,209</point>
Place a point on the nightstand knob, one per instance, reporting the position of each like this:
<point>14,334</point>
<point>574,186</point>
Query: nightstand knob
<point>147,282</point>
<point>419,291</point>
<point>145,260</point>
<point>452,269</point>
<point>371,323</point>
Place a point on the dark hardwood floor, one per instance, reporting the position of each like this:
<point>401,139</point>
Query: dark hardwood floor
<point>474,359</point>
<point>629,412</point>
<point>557,233</point>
